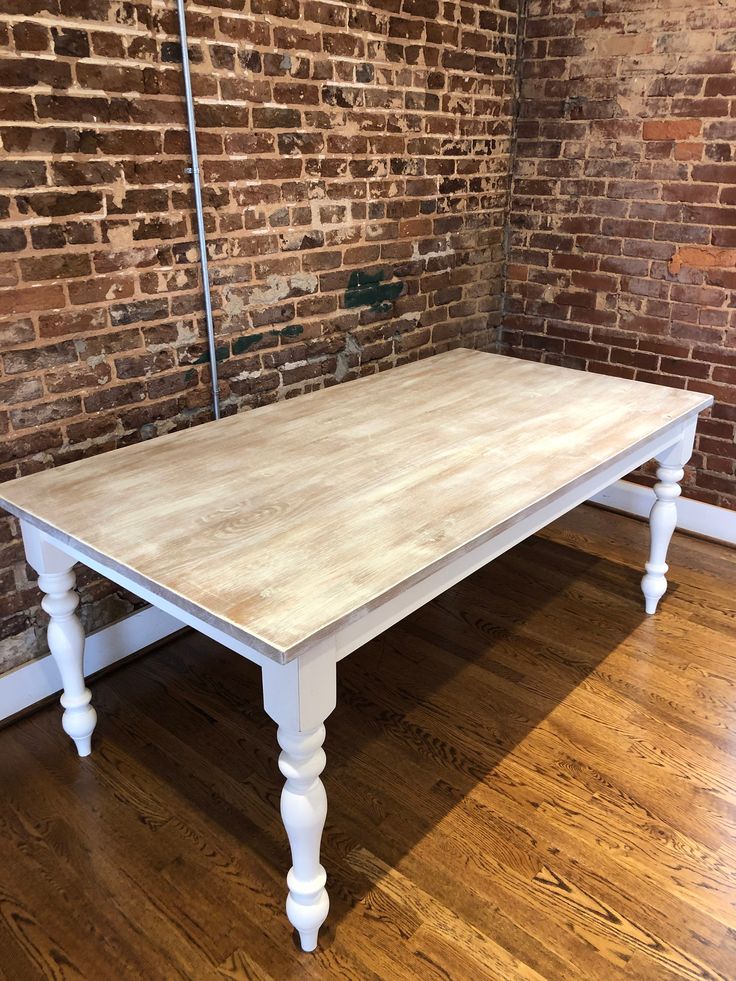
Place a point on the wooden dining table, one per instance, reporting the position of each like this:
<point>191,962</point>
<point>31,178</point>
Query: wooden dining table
<point>296,532</point>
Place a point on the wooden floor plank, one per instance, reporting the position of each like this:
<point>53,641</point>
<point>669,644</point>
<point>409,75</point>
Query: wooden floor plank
<point>527,778</point>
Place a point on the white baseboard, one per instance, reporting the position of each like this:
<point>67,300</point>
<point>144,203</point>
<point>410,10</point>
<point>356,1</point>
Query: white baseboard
<point>32,682</point>
<point>701,519</point>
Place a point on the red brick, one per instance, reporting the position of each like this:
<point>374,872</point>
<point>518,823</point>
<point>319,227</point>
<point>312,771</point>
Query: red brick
<point>671,129</point>
<point>32,300</point>
<point>647,202</point>
<point>689,151</point>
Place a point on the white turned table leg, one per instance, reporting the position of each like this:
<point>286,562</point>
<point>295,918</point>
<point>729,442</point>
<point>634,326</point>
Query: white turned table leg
<point>662,523</point>
<point>663,516</point>
<point>303,811</point>
<point>65,634</point>
<point>299,696</point>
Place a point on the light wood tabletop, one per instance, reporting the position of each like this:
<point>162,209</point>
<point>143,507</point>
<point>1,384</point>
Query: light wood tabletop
<point>325,505</point>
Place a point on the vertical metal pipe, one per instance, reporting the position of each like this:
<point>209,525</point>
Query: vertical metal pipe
<point>198,204</point>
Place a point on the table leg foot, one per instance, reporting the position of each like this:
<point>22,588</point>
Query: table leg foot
<point>299,696</point>
<point>663,517</point>
<point>65,634</point>
<point>308,939</point>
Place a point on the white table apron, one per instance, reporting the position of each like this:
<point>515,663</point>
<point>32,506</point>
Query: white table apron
<point>299,695</point>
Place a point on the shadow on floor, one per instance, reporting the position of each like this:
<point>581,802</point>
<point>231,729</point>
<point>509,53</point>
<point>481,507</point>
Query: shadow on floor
<point>425,713</point>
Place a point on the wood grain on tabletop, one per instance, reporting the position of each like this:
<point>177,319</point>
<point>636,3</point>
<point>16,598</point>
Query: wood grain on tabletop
<point>320,505</point>
<point>528,778</point>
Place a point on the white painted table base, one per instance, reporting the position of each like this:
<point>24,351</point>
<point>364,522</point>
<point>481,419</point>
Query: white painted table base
<point>299,685</point>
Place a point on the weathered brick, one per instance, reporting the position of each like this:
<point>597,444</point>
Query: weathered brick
<point>52,205</point>
<point>30,445</point>
<point>138,311</point>
<point>15,332</point>
<point>20,73</point>
<point>144,365</point>
<point>112,397</point>
<point>55,267</point>
<point>72,322</point>
<point>45,412</point>
<point>70,42</point>
<point>242,29</point>
<point>20,390</point>
<point>272,118</point>
<point>660,267</point>
<point>22,173</point>
<point>12,239</point>
<point>30,37</point>
<point>337,139</point>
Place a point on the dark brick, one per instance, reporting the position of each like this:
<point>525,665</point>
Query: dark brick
<point>22,173</point>
<point>139,311</point>
<point>55,204</point>
<point>271,118</point>
<point>70,43</point>
<point>12,240</point>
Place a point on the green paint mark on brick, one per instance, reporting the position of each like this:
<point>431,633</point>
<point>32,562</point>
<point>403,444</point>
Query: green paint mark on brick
<point>367,289</point>
<point>241,344</point>
<point>220,355</point>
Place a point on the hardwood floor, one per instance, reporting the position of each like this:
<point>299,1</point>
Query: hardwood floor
<point>527,778</point>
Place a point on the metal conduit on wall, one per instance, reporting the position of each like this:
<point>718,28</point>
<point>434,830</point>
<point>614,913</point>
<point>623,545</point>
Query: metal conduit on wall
<point>196,178</point>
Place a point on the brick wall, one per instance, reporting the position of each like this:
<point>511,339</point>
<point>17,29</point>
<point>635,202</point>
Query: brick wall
<point>623,223</point>
<point>356,164</point>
